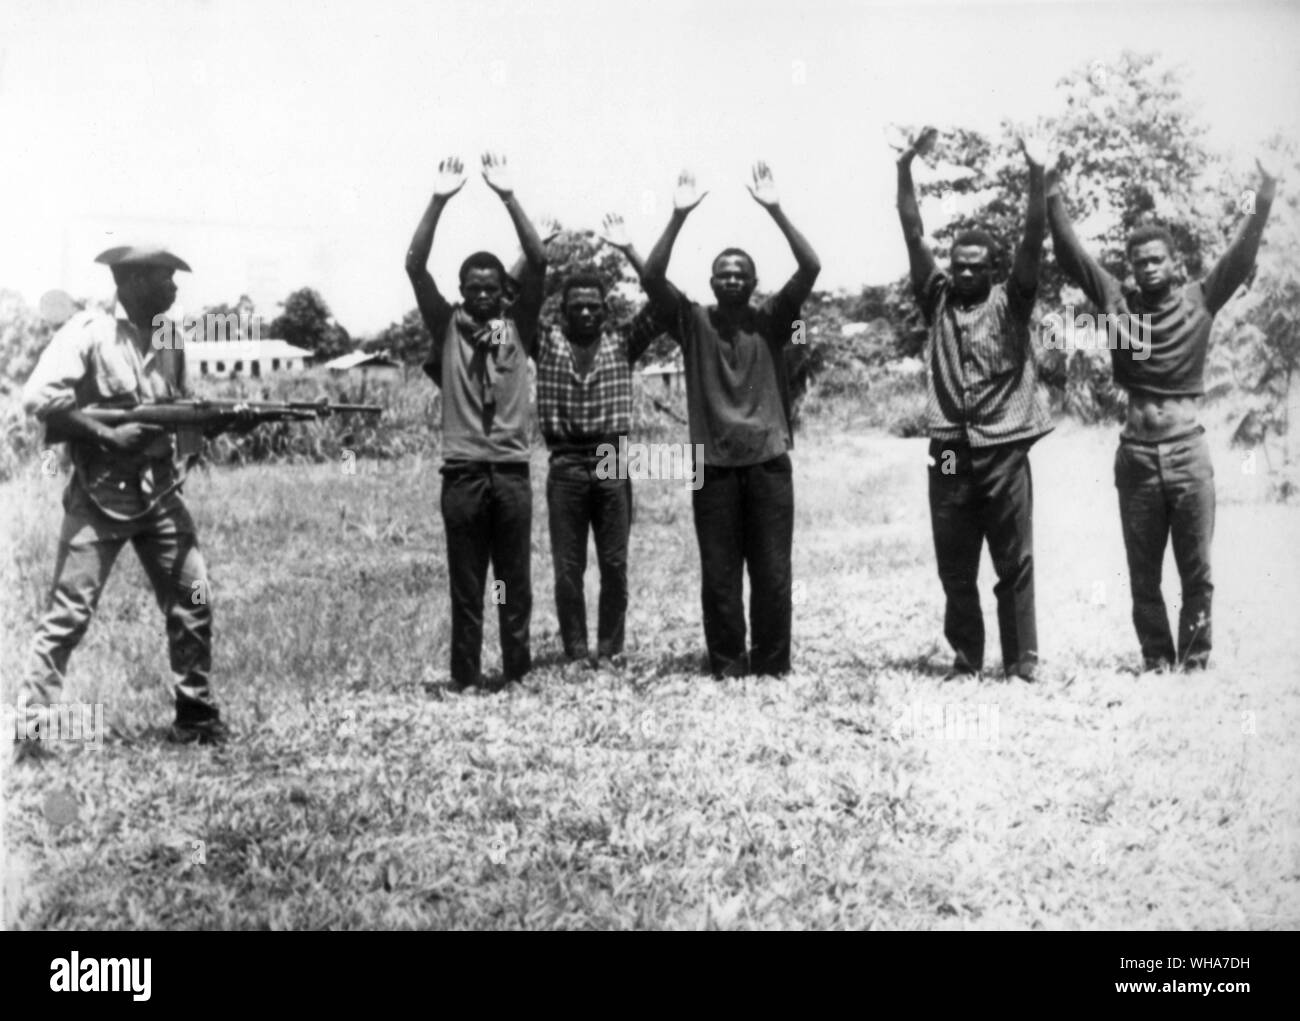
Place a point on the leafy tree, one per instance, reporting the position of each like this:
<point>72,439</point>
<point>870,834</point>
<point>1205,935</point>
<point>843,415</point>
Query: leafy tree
<point>407,340</point>
<point>306,322</point>
<point>241,322</point>
<point>1256,354</point>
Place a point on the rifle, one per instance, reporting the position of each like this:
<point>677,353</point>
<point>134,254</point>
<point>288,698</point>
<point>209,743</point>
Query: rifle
<point>212,416</point>
<point>209,416</point>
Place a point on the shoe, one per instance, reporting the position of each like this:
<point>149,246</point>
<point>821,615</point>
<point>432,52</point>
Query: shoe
<point>206,732</point>
<point>1156,665</point>
<point>961,670</point>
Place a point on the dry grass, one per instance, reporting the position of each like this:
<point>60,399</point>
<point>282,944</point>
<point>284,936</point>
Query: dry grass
<point>655,797</point>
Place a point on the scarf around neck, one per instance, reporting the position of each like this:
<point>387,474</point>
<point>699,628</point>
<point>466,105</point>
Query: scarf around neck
<point>488,340</point>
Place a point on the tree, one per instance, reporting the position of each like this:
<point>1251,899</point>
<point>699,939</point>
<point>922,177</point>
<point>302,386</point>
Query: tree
<point>306,322</point>
<point>1257,355</point>
<point>238,322</point>
<point>407,340</point>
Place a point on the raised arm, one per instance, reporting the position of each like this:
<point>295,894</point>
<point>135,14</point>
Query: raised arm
<point>655,278</point>
<point>434,308</point>
<point>614,233</point>
<point>1234,266</point>
<point>528,305</point>
<point>919,257</point>
<point>1024,271</point>
<point>1082,269</point>
<point>809,266</point>
<point>548,230</point>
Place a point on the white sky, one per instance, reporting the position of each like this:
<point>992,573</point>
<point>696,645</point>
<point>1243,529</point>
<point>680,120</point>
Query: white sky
<point>282,143</point>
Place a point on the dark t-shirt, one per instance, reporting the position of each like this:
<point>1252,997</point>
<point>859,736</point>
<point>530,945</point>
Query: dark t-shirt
<point>737,389</point>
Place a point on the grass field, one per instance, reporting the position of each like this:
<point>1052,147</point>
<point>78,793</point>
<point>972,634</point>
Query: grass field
<point>861,791</point>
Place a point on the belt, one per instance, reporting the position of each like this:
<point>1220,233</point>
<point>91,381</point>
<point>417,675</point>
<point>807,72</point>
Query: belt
<point>1132,442</point>
<point>484,467</point>
<point>584,448</point>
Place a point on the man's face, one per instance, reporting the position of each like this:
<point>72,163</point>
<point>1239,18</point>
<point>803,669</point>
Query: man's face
<point>584,311</point>
<point>482,293</point>
<point>1153,265</point>
<point>151,288</point>
<point>733,280</point>
<point>972,271</point>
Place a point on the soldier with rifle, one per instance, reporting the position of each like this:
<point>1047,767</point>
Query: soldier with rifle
<point>116,398</point>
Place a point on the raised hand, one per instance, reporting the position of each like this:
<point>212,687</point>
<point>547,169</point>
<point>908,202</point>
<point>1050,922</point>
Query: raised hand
<point>548,229</point>
<point>497,174</point>
<point>613,232</point>
<point>450,179</point>
<point>687,197</point>
<point>918,146</point>
<point>764,188</point>
<point>1035,149</point>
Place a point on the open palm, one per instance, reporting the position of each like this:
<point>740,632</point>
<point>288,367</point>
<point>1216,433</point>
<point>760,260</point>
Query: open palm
<point>450,179</point>
<point>497,174</point>
<point>613,232</point>
<point>764,187</point>
<point>687,196</point>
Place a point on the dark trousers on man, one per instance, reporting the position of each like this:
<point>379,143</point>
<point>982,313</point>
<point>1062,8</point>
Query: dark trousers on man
<point>744,518</point>
<point>578,502</point>
<point>1167,489</point>
<point>978,494</point>
<point>487,510</point>
<point>89,543</point>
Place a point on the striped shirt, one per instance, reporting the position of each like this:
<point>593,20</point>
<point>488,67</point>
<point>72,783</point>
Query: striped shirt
<point>574,409</point>
<point>983,384</point>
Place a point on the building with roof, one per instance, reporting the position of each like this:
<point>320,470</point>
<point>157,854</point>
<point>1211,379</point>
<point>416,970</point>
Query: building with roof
<point>222,359</point>
<point>365,364</point>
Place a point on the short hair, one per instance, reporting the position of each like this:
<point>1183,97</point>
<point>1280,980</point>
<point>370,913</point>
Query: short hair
<point>735,251</point>
<point>485,260</point>
<point>576,281</point>
<point>1150,232</point>
<point>977,238</point>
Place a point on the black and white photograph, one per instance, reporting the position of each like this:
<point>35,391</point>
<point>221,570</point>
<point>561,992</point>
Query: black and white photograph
<point>487,465</point>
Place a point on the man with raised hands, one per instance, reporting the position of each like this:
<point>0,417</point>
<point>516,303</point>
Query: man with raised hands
<point>479,360</point>
<point>983,412</point>
<point>738,398</point>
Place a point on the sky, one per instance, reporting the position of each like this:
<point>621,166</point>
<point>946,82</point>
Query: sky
<point>279,143</point>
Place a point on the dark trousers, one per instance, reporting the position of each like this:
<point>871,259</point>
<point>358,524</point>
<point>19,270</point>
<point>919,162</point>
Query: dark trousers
<point>1167,489</point>
<point>979,494</point>
<point>744,518</point>
<point>89,544</point>
<point>487,510</point>
<point>579,502</point>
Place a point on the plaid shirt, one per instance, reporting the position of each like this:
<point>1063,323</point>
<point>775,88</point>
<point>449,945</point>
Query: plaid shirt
<point>983,385</point>
<point>574,409</point>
